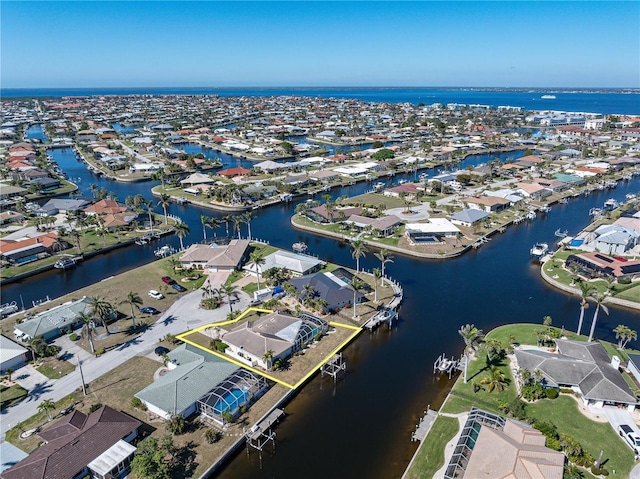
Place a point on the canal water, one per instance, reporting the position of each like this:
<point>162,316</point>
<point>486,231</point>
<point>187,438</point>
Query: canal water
<point>361,426</point>
<point>36,132</point>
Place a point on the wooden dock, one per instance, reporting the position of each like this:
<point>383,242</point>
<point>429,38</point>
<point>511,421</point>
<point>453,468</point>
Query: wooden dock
<point>273,417</point>
<point>424,426</point>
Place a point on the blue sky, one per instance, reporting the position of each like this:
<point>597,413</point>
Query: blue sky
<point>269,43</point>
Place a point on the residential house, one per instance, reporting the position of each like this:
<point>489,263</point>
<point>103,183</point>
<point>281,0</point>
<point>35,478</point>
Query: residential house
<point>54,322</point>
<point>432,231</point>
<point>533,190</point>
<point>599,265</point>
<point>296,264</point>
<point>79,445</point>
<point>104,207</point>
<point>584,367</point>
<point>216,257</point>
<point>29,249</point>
<point>12,355</point>
<point>493,446</point>
<point>381,227</point>
<point>490,204</point>
<point>334,288</point>
<point>278,333</point>
<point>469,217</point>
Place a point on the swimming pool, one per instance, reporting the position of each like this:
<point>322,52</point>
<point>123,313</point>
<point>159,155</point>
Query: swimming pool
<point>231,401</point>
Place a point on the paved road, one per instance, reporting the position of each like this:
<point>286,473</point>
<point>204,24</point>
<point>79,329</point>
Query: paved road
<point>182,316</point>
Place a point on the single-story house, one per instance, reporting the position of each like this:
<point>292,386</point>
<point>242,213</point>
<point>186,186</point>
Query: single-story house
<point>408,189</point>
<point>10,216</point>
<point>54,322</point>
<point>12,355</point>
<point>197,179</point>
<point>320,213</point>
<point>553,185</point>
<point>615,238</point>
<point>494,446</point>
<point>61,205</point>
<point>431,232</point>
<point>383,226</point>
<point>192,374</point>
<point>277,332</point>
<point>216,257</point>
<point>533,190</point>
<point>585,367</point>
<point>9,191</point>
<point>30,249</point>
<point>490,204</point>
<point>104,207</point>
<point>97,445</point>
<point>329,287</point>
<point>469,217</point>
<point>598,265</point>
<point>297,264</point>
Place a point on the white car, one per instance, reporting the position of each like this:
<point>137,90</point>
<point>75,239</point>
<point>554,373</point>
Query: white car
<point>630,436</point>
<point>155,294</point>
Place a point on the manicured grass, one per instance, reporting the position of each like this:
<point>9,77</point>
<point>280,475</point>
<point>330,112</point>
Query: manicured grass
<point>10,395</point>
<point>55,368</point>
<point>631,294</point>
<point>593,436</point>
<point>430,457</point>
<point>525,333</point>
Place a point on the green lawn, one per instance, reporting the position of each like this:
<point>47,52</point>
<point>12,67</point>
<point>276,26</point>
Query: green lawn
<point>593,436</point>
<point>631,294</point>
<point>430,457</point>
<point>10,395</point>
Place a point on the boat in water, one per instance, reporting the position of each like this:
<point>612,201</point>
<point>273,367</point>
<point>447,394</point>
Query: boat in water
<point>65,263</point>
<point>539,250</point>
<point>8,308</point>
<point>548,97</point>
<point>561,234</point>
<point>299,247</point>
<point>611,204</point>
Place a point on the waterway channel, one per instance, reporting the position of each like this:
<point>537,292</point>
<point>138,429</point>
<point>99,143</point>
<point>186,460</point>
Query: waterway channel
<point>361,426</point>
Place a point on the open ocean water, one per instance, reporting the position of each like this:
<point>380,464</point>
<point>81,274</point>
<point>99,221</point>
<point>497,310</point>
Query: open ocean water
<point>625,102</point>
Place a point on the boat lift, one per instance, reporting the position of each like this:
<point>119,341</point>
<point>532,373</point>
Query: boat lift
<point>444,365</point>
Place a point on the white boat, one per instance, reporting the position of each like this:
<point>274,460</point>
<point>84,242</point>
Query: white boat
<point>563,201</point>
<point>65,263</point>
<point>630,196</point>
<point>595,212</point>
<point>378,186</point>
<point>561,234</point>
<point>548,97</point>
<point>164,251</point>
<point>539,250</point>
<point>8,308</point>
<point>611,204</point>
<point>531,215</point>
<point>181,200</point>
<point>299,247</point>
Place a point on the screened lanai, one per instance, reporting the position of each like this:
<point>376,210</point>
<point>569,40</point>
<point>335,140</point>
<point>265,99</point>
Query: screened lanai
<point>238,390</point>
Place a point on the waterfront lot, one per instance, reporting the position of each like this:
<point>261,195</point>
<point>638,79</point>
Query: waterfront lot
<point>563,411</point>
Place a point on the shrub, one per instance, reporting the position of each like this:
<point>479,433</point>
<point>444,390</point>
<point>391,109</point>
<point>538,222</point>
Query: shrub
<point>73,337</point>
<point>177,424</point>
<point>136,402</point>
<point>551,393</point>
<point>624,281</point>
<point>100,352</point>
<point>95,407</point>
<point>212,435</point>
<point>599,472</point>
<point>567,391</point>
<point>534,391</point>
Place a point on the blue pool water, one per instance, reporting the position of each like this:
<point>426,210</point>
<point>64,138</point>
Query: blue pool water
<point>233,399</point>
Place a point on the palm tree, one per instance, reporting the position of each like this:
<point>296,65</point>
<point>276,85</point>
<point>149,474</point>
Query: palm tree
<point>472,337</point>
<point>256,261</point>
<point>148,204</point>
<point>75,234</point>
<point>181,229</point>
<point>134,300</point>
<point>230,291</point>
<point>599,299</point>
<point>585,294</point>
<point>164,201</point>
<point>268,356</point>
<point>624,334</point>
<point>226,219</point>
<point>358,250</point>
<point>213,223</point>
<point>173,263</point>
<point>495,380</point>
<point>102,309</point>
<point>237,221</point>
<point>88,328</point>
<point>47,406</point>
<point>377,273</point>
<point>204,220</point>
<point>356,285</point>
<point>247,217</point>
<point>385,257</point>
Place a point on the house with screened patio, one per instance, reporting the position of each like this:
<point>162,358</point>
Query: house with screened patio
<point>274,336</point>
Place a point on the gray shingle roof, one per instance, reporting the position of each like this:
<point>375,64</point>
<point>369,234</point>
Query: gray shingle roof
<point>581,364</point>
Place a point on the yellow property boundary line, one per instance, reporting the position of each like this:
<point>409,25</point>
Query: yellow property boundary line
<point>183,337</point>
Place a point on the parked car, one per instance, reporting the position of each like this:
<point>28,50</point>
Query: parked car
<point>155,294</point>
<point>178,287</point>
<point>168,280</point>
<point>630,436</point>
<point>149,310</point>
<point>161,351</point>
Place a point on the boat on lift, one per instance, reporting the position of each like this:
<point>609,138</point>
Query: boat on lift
<point>65,263</point>
<point>561,234</point>
<point>8,308</point>
<point>539,250</point>
<point>299,247</point>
